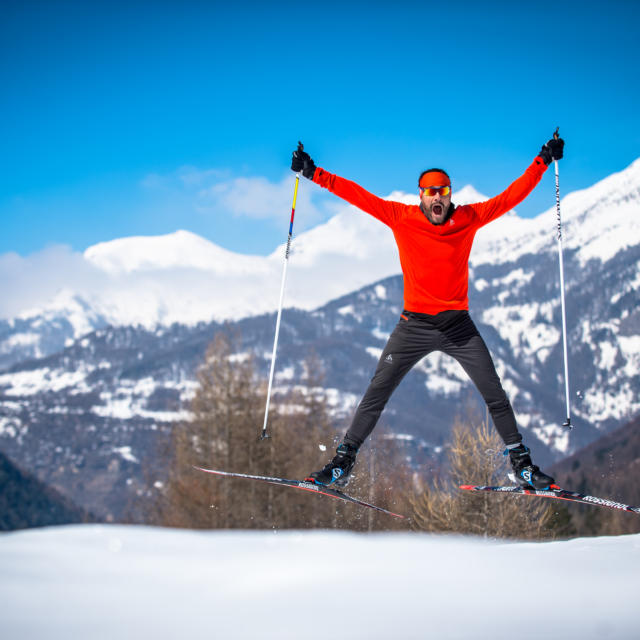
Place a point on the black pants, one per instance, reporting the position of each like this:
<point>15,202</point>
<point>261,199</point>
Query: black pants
<point>415,336</point>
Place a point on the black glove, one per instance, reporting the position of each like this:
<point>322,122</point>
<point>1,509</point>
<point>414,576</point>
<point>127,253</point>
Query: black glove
<point>301,161</point>
<point>552,150</point>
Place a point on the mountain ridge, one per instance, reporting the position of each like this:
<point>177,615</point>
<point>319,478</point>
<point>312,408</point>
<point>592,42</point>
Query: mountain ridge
<point>184,278</point>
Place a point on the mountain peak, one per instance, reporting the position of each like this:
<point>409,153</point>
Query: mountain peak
<point>180,249</point>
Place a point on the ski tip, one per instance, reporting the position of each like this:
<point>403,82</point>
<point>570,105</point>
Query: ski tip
<point>467,486</point>
<point>197,468</point>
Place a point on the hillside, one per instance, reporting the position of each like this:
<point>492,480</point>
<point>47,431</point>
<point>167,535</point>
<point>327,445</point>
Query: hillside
<point>87,411</point>
<point>26,502</point>
<point>609,468</point>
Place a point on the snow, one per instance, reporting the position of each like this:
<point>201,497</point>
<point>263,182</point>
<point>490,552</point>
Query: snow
<point>10,426</point>
<point>181,249</point>
<point>104,582</point>
<point>597,222</point>
<point>442,384</point>
<point>519,326</point>
<point>553,435</point>
<point>374,352</point>
<point>24,383</point>
<point>341,402</point>
<point>347,310</point>
<point>126,454</point>
<point>444,375</point>
<point>381,292</point>
<point>380,334</point>
<point>26,339</point>
<point>619,404</point>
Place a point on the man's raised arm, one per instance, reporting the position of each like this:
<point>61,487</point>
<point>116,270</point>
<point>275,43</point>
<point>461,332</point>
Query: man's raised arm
<point>384,210</point>
<point>517,191</point>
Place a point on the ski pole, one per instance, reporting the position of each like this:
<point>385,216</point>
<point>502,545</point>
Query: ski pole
<point>284,277</point>
<point>564,314</point>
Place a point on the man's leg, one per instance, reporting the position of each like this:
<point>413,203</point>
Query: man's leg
<point>405,347</point>
<point>466,345</point>
<point>470,350</point>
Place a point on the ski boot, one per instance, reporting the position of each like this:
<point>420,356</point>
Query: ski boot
<point>338,470</point>
<point>528,474</point>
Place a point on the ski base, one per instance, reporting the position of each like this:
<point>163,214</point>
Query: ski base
<point>304,485</point>
<point>558,494</point>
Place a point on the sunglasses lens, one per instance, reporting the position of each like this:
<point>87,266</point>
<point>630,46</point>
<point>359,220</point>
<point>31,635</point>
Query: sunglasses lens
<point>431,191</point>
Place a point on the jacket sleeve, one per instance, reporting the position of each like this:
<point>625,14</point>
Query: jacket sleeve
<point>513,195</point>
<point>384,210</point>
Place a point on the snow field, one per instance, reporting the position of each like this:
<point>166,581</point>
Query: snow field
<point>99,581</point>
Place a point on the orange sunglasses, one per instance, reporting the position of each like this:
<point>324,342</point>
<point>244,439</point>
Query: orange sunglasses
<point>431,191</point>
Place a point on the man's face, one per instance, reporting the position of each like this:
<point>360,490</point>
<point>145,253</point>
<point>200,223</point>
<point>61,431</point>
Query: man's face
<point>435,207</point>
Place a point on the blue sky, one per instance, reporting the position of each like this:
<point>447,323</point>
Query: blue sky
<point>142,118</point>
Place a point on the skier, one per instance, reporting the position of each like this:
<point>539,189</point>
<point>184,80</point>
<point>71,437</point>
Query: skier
<point>434,241</point>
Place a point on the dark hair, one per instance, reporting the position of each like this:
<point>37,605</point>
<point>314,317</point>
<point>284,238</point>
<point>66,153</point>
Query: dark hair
<point>434,169</point>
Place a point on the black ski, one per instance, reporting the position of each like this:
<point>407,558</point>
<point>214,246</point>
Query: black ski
<point>305,486</point>
<point>559,494</point>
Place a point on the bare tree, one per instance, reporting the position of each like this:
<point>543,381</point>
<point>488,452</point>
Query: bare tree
<point>226,416</point>
<point>223,433</point>
<point>475,457</point>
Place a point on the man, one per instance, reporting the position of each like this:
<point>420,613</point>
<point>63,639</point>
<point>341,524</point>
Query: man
<point>434,240</point>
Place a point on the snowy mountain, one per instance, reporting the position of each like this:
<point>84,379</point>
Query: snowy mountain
<point>183,278</point>
<point>85,410</point>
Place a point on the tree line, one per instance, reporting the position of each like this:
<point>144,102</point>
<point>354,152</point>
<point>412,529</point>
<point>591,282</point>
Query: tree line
<point>222,432</point>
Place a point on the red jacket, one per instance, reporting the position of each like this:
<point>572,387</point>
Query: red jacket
<point>434,258</point>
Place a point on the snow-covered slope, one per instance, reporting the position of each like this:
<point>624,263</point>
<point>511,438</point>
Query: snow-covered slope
<point>105,582</point>
<point>179,250</point>
<point>598,222</point>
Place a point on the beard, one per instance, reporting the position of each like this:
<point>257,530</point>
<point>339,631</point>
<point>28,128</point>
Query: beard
<point>435,213</point>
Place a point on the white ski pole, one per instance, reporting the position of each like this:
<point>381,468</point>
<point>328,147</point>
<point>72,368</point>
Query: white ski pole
<point>284,278</point>
<point>564,314</point>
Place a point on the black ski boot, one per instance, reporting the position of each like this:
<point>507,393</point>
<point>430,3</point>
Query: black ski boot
<point>528,474</point>
<point>338,470</point>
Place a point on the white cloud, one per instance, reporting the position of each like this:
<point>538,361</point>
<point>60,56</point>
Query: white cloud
<point>219,192</point>
<point>28,281</point>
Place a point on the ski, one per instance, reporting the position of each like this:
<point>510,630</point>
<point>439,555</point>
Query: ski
<point>305,486</point>
<point>558,494</point>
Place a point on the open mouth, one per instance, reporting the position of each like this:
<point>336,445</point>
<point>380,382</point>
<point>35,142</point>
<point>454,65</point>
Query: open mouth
<point>437,209</point>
